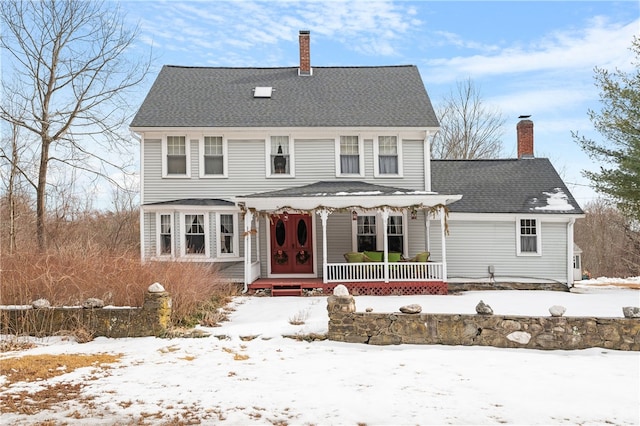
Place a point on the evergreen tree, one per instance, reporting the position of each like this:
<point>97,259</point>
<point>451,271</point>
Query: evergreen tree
<point>619,123</point>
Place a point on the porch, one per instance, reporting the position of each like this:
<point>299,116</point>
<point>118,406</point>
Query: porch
<point>299,286</point>
<point>290,216</point>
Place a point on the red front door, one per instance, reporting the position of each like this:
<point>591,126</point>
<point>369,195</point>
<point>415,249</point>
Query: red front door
<point>291,244</point>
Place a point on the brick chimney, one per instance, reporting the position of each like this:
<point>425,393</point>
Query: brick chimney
<point>525,138</point>
<point>305,54</point>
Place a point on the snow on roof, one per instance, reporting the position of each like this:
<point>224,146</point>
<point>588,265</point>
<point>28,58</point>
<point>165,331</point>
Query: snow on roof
<point>359,193</point>
<point>556,201</point>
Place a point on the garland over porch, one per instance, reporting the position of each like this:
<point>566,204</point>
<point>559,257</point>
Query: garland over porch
<point>325,198</point>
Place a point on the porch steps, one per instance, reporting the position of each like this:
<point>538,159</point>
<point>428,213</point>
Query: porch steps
<point>286,290</point>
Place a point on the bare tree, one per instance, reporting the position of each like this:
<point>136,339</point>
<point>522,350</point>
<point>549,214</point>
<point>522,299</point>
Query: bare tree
<point>468,128</point>
<point>16,158</point>
<point>610,242</point>
<point>72,65</point>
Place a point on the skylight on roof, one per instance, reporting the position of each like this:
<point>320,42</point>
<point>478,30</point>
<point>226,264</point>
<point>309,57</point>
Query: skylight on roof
<point>262,92</point>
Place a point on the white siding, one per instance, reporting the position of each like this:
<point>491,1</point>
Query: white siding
<point>149,234</point>
<point>314,161</point>
<point>213,241</point>
<point>474,245</point>
<point>416,234</point>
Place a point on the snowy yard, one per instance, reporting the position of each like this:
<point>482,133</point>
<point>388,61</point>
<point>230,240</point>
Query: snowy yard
<point>248,373</point>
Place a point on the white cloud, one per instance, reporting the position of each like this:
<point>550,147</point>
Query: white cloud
<point>224,27</point>
<point>601,43</point>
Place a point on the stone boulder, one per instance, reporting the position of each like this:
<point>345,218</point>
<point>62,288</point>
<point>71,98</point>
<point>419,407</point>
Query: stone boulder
<point>557,310</point>
<point>484,309</point>
<point>41,304</point>
<point>93,303</point>
<point>341,290</point>
<point>631,312</point>
<point>156,288</point>
<point>411,309</point>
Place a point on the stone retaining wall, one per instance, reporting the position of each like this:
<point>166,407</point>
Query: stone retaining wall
<point>347,325</point>
<point>152,319</point>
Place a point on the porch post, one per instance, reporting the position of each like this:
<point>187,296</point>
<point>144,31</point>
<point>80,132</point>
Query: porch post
<point>324,215</point>
<point>427,229</point>
<point>248,216</point>
<point>385,219</point>
<point>443,244</point>
<point>257,222</point>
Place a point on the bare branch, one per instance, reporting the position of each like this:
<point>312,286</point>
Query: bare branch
<point>72,65</point>
<point>468,128</point>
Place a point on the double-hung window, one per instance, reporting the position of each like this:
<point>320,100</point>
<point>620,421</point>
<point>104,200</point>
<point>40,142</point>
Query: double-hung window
<point>194,235</point>
<point>214,158</point>
<point>369,234</point>
<point>349,160</point>
<point>387,156</point>
<point>366,233</point>
<point>280,156</point>
<point>165,245</point>
<point>395,234</point>
<point>176,156</point>
<point>227,235</point>
<point>528,237</point>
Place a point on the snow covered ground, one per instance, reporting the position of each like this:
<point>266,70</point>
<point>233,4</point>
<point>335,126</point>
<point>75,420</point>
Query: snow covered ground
<point>248,373</point>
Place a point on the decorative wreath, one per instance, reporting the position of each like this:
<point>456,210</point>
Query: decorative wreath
<point>302,257</point>
<point>281,257</point>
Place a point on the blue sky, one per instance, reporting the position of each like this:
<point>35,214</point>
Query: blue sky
<point>525,57</point>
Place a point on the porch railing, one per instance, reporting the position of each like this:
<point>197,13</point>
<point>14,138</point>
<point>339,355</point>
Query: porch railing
<point>373,271</point>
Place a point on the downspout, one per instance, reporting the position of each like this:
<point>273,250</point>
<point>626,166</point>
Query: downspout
<point>142,239</point>
<point>142,248</point>
<point>570,254</point>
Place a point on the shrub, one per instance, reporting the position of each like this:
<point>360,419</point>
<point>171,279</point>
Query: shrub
<point>68,277</point>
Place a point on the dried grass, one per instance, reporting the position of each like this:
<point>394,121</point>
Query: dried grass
<point>68,277</point>
<point>30,368</point>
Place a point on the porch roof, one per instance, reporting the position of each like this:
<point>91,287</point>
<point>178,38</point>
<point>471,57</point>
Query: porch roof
<point>334,195</point>
<point>193,202</point>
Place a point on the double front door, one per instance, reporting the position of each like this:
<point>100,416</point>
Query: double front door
<point>291,244</point>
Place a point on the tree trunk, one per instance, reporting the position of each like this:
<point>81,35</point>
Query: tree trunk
<point>12,180</point>
<point>41,198</point>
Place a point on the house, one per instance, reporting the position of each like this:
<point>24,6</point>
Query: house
<point>274,174</point>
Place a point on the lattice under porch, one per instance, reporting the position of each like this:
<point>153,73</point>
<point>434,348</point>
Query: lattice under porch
<point>296,287</point>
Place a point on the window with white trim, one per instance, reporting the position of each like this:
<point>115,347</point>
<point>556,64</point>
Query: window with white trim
<point>528,238</point>
<point>349,161</point>
<point>369,233</point>
<point>176,155</point>
<point>387,156</point>
<point>366,233</point>
<point>165,245</point>
<point>214,157</point>
<point>280,156</point>
<point>395,234</point>
<point>227,235</point>
<point>194,235</point>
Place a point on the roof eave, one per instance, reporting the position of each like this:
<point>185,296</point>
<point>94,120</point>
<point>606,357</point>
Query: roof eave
<point>276,204</point>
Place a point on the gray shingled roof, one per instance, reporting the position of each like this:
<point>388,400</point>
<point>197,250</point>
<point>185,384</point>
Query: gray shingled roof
<point>333,188</point>
<point>194,202</point>
<point>385,96</point>
<point>503,186</point>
